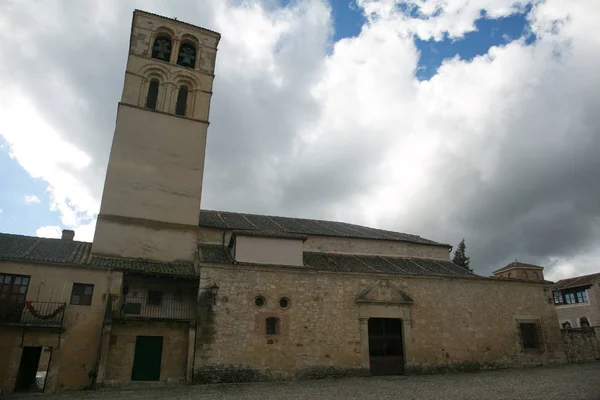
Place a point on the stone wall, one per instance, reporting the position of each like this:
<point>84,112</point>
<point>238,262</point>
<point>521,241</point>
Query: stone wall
<point>121,351</point>
<point>582,344</point>
<point>454,323</point>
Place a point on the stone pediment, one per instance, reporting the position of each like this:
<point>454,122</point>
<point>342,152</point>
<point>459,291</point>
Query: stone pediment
<point>384,292</point>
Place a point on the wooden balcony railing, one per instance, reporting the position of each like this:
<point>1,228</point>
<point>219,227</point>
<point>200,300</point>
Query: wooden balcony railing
<point>141,308</point>
<point>33,313</point>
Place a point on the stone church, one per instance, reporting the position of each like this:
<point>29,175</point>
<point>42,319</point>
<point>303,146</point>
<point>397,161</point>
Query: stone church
<point>169,292</point>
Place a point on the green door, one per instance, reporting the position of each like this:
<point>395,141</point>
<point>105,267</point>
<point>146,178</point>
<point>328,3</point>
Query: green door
<point>146,361</point>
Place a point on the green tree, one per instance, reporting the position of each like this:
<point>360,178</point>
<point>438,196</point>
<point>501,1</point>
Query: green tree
<point>460,256</point>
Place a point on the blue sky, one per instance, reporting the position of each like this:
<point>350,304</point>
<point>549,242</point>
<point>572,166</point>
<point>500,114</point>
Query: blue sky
<point>362,126</point>
<point>17,215</point>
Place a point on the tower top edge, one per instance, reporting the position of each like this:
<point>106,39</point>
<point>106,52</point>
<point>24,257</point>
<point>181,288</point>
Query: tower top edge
<point>136,12</point>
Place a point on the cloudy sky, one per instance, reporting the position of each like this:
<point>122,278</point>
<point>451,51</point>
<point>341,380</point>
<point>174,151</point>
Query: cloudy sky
<point>442,118</point>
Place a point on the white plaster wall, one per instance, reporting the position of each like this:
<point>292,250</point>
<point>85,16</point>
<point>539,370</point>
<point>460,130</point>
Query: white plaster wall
<point>262,250</point>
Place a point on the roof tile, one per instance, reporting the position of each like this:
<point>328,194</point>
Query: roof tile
<point>238,221</point>
<point>57,251</point>
<point>368,264</point>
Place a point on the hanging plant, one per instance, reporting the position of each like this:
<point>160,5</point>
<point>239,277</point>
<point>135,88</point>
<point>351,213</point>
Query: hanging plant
<point>29,306</point>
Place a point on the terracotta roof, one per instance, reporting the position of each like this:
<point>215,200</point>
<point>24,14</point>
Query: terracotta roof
<point>252,222</point>
<point>356,263</point>
<point>517,264</point>
<point>585,280</point>
<point>67,252</point>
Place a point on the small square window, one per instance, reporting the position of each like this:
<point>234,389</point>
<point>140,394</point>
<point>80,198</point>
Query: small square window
<point>155,298</point>
<point>82,294</point>
<point>272,325</point>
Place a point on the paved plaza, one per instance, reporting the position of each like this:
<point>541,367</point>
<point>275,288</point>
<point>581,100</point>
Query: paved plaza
<point>574,381</point>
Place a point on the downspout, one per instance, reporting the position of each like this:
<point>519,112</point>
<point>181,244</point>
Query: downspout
<point>197,268</point>
<point>94,372</point>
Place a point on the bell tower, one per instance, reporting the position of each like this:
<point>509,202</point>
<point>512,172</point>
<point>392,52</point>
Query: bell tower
<point>151,199</point>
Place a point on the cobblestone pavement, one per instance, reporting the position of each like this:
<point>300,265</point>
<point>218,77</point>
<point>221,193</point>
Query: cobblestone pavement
<point>578,381</point>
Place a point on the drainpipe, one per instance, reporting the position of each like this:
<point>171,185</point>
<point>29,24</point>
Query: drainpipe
<point>94,372</point>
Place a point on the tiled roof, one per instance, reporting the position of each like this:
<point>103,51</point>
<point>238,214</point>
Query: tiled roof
<point>358,263</point>
<point>253,222</point>
<point>517,264</point>
<point>578,281</point>
<point>57,251</point>
<point>270,234</point>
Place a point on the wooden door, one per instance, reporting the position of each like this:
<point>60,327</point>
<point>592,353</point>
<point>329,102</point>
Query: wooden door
<point>147,358</point>
<point>386,354</point>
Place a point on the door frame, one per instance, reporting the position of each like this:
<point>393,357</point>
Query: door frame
<point>19,378</point>
<point>385,300</point>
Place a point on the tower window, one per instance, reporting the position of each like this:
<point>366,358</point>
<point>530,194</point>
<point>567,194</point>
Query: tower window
<point>272,326</point>
<point>181,100</point>
<point>152,94</point>
<point>584,322</point>
<point>162,48</point>
<point>187,55</point>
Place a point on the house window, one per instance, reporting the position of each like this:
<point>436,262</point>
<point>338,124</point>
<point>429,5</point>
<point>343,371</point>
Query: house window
<point>570,296</point>
<point>558,299</point>
<point>584,322</point>
<point>13,289</point>
<point>152,98</point>
<point>178,295</point>
<point>272,326</point>
<point>566,325</point>
<point>531,335</point>
<point>187,55</point>
<point>162,48</point>
<point>82,293</point>
<point>181,100</point>
<point>581,297</point>
<point>155,298</point>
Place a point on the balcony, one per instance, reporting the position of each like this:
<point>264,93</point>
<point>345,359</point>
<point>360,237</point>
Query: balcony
<point>144,308</point>
<point>44,314</point>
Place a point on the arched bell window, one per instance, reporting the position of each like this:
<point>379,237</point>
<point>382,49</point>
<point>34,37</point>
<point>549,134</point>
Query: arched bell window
<point>152,98</point>
<point>566,325</point>
<point>584,322</point>
<point>181,100</point>
<point>161,49</point>
<point>187,55</point>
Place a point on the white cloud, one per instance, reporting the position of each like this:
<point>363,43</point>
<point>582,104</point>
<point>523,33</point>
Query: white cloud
<point>1,211</point>
<point>53,232</point>
<point>32,199</point>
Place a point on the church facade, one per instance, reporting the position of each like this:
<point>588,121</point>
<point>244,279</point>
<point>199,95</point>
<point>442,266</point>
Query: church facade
<point>177,294</point>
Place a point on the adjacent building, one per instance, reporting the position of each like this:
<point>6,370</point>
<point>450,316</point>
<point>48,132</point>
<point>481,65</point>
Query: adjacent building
<point>577,301</point>
<point>172,293</point>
